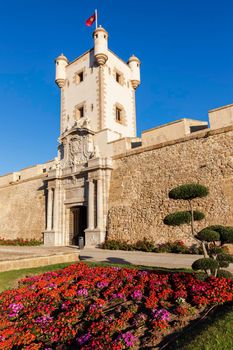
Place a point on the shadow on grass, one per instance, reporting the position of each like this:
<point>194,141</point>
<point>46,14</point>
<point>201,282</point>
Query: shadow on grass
<point>126,264</point>
<point>184,337</point>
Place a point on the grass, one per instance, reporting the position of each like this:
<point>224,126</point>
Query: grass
<point>213,333</point>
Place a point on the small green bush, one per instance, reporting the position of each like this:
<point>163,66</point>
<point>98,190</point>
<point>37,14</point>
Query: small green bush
<point>116,245</point>
<point>178,218</point>
<point>144,246</point>
<point>205,264</point>
<point>189,191</point>
<point>224,274</point>
<point>225,257</point>
<point>208,235</point>
<point>178,248</point>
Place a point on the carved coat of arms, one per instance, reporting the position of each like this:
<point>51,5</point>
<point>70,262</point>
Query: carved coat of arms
<point>77,149</point>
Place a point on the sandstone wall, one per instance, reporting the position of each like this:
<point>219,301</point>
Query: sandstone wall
<point>22,210</point>
<point>142,178</point>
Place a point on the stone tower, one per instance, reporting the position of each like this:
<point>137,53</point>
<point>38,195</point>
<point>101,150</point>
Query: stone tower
<point>97,109</point>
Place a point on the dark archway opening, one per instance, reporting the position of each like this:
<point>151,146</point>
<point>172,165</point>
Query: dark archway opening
<point>78,223</point>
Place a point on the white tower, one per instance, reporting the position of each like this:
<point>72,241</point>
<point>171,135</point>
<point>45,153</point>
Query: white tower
<point>98,90</point>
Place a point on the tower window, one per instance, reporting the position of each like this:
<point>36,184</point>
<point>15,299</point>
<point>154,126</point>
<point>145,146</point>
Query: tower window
<point>79,77</point>
<point>119,77</point>
<point>79,112</point>
<point>119,115</point>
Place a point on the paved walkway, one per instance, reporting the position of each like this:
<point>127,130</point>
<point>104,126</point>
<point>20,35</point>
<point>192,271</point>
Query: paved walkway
<point>15,257</point>
<point>167,260</point>
<point>20,257</point>
<point>22,252</point>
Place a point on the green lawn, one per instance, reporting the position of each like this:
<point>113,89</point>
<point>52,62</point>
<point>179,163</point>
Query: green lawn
<point>214,333</point>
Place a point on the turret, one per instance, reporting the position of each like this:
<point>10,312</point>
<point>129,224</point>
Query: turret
<point>134,65</point>
<point>100,45</point>
<point>61,63</point>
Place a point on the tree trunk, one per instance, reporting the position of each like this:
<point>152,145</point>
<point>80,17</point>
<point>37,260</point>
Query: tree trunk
<point>192,218</point>
<point>204,250</point>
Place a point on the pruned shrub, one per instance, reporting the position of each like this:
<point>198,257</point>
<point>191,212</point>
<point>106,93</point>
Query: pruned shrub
<point>209,238</point>
<point>205,264</point>
<point>189,191</point>
<point>215,250</point>
<point>225,257</point>
<point>182,217</point>
<point>226,232</point>
<point>198,215</point>
<point>223,263</point>
<point>178,218</point>
<point>186,192</point>
<point>208,235</point>
<point>224,274</point>
<point>227,235</point>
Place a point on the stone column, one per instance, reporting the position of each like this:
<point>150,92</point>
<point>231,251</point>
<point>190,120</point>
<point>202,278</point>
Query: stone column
<point>99,204</point>
<point>50,209</point>
<point>90,205</point>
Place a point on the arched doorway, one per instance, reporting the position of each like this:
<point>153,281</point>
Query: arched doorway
<point>78,223</point>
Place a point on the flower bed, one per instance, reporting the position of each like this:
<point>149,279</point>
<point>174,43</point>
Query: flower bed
<point>20,242</point>
<point>83,307</point>
<point>177,247</point>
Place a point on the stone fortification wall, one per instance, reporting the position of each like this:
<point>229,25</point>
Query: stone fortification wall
<point>22,209</point>
<point>142,178</point>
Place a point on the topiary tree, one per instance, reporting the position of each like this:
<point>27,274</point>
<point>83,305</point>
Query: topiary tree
<point>186,192</point>
<point>212,239</point>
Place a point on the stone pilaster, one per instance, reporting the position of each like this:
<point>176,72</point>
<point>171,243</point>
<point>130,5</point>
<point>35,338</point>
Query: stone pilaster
<point>100,204</point>
<point>50,210</point>
<point>91,205</point>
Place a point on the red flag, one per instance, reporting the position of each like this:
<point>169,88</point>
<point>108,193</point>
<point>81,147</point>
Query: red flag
<point>90,20</point>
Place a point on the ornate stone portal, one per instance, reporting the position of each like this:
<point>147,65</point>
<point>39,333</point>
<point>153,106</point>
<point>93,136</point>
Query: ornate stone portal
<point>79,179</point>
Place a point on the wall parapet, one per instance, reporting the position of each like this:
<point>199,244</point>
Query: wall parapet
<point>195,136</point>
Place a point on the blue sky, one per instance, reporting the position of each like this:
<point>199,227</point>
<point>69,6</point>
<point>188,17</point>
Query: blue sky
<point>185,48</point>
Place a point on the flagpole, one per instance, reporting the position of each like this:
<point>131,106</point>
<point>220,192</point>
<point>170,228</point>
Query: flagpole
<point>96,19</point>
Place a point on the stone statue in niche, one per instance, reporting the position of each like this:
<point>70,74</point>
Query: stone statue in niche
<point>83,123</point>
